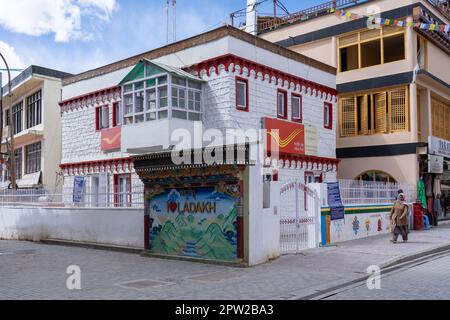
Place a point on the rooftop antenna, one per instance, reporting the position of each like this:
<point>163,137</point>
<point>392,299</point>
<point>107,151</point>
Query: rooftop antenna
<point>173,4</point>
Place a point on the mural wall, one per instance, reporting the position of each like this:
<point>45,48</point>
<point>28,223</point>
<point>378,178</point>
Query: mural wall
<point>195,222</point>
<point>360,222</point>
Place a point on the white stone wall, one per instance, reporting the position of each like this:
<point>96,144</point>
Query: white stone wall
<point>220,107</point>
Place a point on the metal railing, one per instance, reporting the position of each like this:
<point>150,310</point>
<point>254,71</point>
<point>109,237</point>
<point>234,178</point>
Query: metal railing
<point>443,6</point>
<point>367,192</point>
<point>306,14</point>
<point>133,198</point>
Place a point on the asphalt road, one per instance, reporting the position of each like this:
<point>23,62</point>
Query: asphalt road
<point>424,280</point>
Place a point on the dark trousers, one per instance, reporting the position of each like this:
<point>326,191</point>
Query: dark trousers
<point>401,230</point>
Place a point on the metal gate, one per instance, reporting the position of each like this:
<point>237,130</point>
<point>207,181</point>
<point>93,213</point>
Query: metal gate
<point>299,218</point>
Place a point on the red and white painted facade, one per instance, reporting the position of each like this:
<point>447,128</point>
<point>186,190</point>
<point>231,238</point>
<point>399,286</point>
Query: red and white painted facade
<point>220,63</point>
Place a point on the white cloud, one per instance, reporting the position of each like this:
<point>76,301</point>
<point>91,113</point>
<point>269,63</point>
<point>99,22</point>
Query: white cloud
<point>63,18</point>
<point>13,60</point>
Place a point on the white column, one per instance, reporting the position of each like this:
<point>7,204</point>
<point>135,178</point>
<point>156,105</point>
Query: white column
<point>413,112</point>
<point>251,25</point>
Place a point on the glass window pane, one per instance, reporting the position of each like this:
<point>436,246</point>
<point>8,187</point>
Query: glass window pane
<point>182,100</point>
<point>179,114</point>
<point>195,85</point>
<point>163,114</point>
<point>242,94</point>
<point>151,83</point>
<point>349,58</point>
<point>394,48</point>
<point>296,107</point>
<point>371,53</point>
<point>179,81</point>
<point>162,80</point>
<point>139,86</point>
<point>194,116</point>
<point>128,104</point>
<point>151,99</point>
<point>128,88</point>
<point>139,118</point>
<point>139,102</point>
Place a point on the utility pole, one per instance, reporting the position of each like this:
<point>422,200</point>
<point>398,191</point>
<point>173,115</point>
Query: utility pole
<point>173,4</point>
<point>12,168</point>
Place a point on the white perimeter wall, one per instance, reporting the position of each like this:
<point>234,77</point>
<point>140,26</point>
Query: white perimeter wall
<point>122,227</point>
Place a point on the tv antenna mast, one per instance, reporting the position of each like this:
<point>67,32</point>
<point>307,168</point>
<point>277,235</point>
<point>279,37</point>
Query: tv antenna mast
<point>171,18</point>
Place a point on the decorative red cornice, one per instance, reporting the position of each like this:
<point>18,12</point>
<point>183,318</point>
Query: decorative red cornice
<point>304,160</point>
<point>101,165</point>
<point>111,93</point>
<point>230,60</point>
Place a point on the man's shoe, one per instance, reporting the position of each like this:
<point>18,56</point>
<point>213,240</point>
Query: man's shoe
<point>394,242</point>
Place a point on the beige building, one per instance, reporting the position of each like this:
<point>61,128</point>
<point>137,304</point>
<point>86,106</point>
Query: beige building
<point>393,82</point>
<point>36,125</point>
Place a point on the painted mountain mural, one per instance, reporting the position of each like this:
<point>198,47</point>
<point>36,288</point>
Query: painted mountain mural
<point>207,231</point>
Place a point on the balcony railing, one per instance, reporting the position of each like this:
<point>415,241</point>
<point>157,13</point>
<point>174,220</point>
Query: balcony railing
<point>306,14</point>
<point>443,6</point>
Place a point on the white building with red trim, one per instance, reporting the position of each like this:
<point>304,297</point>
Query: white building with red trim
<point>222,79</point>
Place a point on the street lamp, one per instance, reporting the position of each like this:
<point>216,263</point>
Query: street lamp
<point>12,168</point>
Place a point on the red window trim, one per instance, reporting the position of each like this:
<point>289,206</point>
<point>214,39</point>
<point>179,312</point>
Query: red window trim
<point>296,95</point>
<point>330,115</point>
<point>114,114</point>
<point>97,117</point>
<point>285,111</point>
<point>238,107</point>
<point>116,189</point>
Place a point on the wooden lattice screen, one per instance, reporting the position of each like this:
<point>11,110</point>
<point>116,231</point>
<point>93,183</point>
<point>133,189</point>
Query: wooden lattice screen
<point>348,117</point>
<point>380,113</point>
<point>440,119</point>
<point>398,104</point>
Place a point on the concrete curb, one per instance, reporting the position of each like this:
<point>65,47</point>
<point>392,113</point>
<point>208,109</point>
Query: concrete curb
<point>387,266</point>
<point>90,245</point>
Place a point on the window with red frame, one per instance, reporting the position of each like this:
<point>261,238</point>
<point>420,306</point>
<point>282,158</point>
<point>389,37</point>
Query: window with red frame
<point>242,103</point>
<point>282,104</point>
<point>328,115</point>
<point>122,190</point>
<point>117,114</point>
<point>102,117</point>
<point>297,108</point>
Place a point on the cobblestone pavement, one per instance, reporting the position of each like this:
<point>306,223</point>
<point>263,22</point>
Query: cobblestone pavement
<point>37,271</point>
<point>429,281</point>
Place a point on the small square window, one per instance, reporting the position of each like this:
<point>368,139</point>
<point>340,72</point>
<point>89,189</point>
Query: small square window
<point>282,104</point>
<point>296,105</point>
<point>328,115</point>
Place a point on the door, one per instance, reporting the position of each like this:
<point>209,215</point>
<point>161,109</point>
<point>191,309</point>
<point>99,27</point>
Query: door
<point>299,218</point>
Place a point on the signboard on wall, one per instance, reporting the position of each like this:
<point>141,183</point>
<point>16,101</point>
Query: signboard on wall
<point>291,138</point>
<point>337,210</point>
<point>285,137</point>
<point>78,189</point>
<point>435,164</point>
<point>111,138</point>
<point>198,222</point>
<point>439,147</point>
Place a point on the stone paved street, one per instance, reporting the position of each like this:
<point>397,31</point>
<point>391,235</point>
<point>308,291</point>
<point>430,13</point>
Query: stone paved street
<point>429,281</point>
<point>37,271</point>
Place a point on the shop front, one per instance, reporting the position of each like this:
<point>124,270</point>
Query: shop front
<point>438,178</point>
<point>193,210</point>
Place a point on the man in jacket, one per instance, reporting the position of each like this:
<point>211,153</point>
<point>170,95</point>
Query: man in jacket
<point>399,219</point>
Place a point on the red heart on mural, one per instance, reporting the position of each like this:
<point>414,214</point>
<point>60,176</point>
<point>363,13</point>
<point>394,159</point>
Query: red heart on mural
<point>173,206</point>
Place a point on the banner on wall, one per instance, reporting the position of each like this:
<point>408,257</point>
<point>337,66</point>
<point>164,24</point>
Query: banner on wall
<point>337,210</point>
<point>78,189</point>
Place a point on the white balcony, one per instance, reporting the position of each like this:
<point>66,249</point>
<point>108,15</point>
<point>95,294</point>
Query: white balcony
<point>161,135</point>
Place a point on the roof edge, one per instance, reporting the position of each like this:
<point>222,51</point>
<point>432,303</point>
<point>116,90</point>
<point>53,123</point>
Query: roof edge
<point>196,40</point>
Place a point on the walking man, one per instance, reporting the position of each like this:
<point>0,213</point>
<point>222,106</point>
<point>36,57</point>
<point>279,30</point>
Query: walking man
<point>399,219</point>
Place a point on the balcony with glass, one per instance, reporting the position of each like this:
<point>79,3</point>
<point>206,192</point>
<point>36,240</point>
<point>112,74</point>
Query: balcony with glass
<point>158,99</point>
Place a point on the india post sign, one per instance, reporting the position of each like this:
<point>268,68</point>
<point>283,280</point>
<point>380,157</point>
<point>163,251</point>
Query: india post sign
<point>285,137</point>
<point>198,223</point>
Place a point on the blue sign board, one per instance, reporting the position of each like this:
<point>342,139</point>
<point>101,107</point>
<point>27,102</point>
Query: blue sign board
<point>337,211</point>
<point>78,189</point>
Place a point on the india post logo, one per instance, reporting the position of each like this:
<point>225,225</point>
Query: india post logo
<point>285,137</point>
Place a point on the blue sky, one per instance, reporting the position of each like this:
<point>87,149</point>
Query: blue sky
<point>77,35</point>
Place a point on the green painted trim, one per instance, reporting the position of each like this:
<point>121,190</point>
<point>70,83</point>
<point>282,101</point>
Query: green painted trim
<point>360,210</point>
<point>133,74</point>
